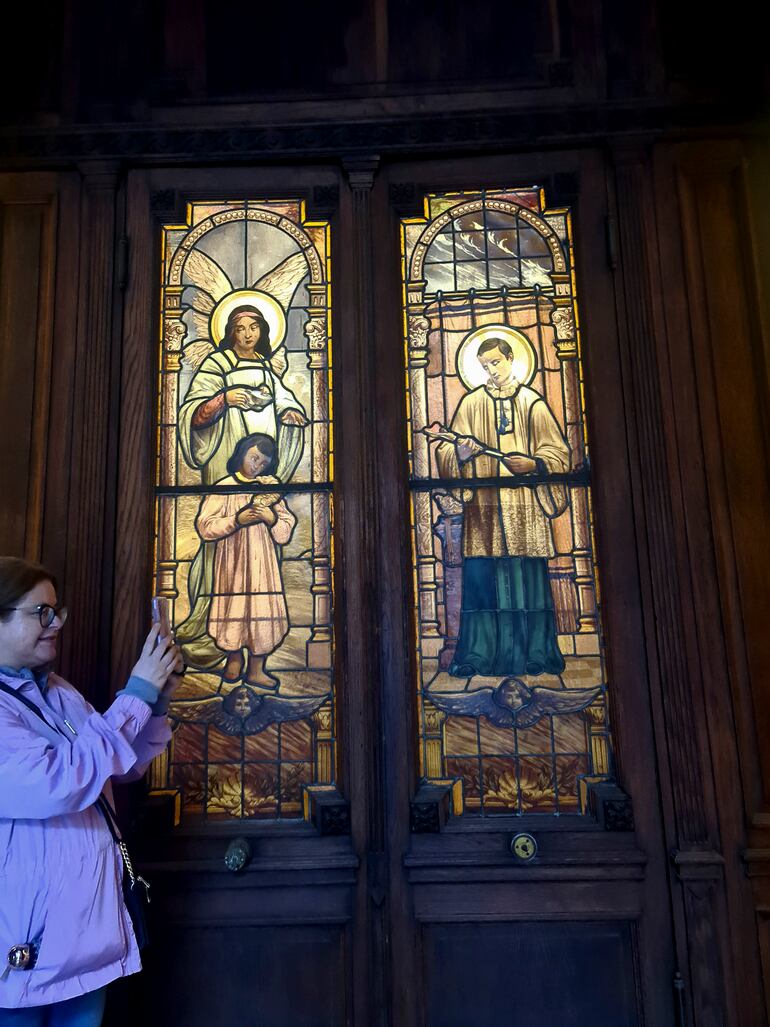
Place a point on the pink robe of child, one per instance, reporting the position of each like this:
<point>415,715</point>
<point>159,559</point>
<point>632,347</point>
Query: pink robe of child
<point>248,607</point>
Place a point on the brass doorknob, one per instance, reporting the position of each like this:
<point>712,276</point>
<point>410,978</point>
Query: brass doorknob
<point>238,855</point>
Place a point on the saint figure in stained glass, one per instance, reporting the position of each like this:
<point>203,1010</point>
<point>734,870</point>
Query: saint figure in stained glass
<point>504,428</point>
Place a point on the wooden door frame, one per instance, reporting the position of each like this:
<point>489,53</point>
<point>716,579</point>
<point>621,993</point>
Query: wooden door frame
<point>386,879</point>
<point>441,884</point>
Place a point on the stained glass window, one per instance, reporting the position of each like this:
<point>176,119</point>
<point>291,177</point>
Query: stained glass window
<point>511,680</point>
<point>244,507</point>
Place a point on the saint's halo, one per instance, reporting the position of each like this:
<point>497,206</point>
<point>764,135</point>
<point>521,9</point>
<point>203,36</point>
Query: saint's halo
<point>470,371</point>
<point>271,310</point>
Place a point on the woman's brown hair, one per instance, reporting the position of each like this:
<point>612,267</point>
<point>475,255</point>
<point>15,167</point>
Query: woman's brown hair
<point>17,577</point>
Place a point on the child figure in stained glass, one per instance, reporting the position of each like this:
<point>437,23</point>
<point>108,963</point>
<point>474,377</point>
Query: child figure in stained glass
<point>507,623</point>
<point>247,608</point>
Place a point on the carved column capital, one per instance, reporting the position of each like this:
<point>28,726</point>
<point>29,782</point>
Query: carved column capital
<point>418,326</point>
<point>361,171</point>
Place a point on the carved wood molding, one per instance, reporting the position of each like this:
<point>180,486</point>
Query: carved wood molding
<point>429,131</point>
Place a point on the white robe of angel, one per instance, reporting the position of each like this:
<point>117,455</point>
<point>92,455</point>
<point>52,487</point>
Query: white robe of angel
<point>208,449</point>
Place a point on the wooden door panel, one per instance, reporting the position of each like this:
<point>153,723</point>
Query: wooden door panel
<point>231,973</point>
<point>31,228</point>
<point>530,973</point>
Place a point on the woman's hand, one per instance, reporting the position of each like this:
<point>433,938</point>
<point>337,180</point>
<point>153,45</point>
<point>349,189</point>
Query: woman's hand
<point>158,659</point>
<point>174,681</point>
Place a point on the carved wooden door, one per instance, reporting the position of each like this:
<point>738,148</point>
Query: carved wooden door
<point>531,886</point>
<point>413,777</point>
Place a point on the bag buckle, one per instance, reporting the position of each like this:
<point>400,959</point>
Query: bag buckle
<point>22,957</point>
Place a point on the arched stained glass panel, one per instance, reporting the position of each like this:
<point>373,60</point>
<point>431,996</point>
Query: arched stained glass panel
<point>244,507</point>
<point>511,679</point>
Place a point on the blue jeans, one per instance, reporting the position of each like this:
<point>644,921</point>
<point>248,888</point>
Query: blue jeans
<point>83,1011</point>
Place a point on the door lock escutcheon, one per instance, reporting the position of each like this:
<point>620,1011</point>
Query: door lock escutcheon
<point>524,847</point>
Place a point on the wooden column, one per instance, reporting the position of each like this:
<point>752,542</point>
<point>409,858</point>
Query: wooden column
<point>91,538</point>
<point>361,697</point>
<point>714,254</point>
<point>697,884</point>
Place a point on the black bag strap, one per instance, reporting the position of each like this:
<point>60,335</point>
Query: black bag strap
<point>101,803</point>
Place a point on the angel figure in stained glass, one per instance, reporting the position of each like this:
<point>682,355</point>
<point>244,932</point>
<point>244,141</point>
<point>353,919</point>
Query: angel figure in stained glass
<point>246,606</point>
<point>231,387</point>
<point>236,391</point>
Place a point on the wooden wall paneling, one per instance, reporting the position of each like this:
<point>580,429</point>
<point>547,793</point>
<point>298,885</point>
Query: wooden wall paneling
<point>712,310</point>
<point>54,542</point>
<point>672,640</point>
<point>84,655</point>
<point>732,378</point>
<point>39,328</point>
<point>254,975</point>
<point>472,972</point>
<point>28,232</point>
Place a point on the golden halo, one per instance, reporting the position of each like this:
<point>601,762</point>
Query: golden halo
<point>470,371</point>
<point>271,310</point>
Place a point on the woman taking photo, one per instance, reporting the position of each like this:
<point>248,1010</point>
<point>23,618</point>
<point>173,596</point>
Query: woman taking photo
<point>65,932</point>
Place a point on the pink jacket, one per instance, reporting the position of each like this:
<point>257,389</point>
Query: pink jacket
<point>60,871</point>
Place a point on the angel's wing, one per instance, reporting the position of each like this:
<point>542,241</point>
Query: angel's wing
<point>550,701</point>
<point>275,709</point>
<point>480,703</point>
<point>194,354</point>
<point>282,281</point>
<point>201,328</point>
<point>199,300</point>
<point>279,361</point>
<point>207,275</point>
<point>200,711</point>
<point>210,711</point>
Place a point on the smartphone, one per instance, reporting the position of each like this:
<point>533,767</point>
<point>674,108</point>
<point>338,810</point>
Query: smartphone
<point>159,607</point>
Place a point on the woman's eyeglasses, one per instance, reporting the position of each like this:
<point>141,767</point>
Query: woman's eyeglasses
<point>46,613</point>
